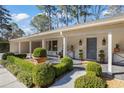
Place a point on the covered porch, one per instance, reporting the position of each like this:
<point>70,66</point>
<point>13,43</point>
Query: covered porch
<point>63,43</point>
<point>88,38</point>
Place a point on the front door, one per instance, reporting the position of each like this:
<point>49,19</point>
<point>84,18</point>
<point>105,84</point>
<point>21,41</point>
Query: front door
<point>92,48</point>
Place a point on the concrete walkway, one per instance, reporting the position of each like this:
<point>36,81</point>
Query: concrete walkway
<point>67,81</point>
<point>7,80</point>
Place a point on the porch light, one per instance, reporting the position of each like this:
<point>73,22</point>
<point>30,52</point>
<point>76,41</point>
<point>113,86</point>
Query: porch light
<point>80,42</point>
<point>104,41</point>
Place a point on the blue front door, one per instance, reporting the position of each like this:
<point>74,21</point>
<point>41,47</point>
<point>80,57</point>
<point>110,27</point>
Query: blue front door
<point>92,48</point>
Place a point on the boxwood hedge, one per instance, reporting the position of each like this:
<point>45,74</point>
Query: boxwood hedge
<point>43,75</point>
<point>90,82</point>
<point>94,67</point>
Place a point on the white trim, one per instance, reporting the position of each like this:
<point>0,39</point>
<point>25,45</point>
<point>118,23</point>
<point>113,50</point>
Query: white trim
<point>110,52</point>
<point>43,43</point>
<point>64,46</point>
<point>19,46</point>
<point>30,47</point>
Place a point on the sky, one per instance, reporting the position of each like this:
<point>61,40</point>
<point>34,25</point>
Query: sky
<point>22,15</point>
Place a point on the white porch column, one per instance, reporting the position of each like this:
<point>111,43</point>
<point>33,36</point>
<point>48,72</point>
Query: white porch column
<point>64,46</point>
<point>110,53</point>
<point>30,47</point>
<point>43,43</point>
<point>19,47</point>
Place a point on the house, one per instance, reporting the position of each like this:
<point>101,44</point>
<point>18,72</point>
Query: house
<point>88,38</point>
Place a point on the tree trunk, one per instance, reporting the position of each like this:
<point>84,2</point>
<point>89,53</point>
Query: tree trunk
<point>78,15</point>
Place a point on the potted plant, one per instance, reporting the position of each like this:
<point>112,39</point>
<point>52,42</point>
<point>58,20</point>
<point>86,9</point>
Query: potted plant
<point>117,48</point>
<point>81,54</point>
<point>102,56</point>
<point>40,55</point>
<point>60,55</point>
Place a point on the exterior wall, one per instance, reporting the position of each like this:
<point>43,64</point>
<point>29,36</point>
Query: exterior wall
<point>24,47</point>
<point>117,38</point>
<point>75,42</point>
<point>36,44</point>
<point>14,47</point>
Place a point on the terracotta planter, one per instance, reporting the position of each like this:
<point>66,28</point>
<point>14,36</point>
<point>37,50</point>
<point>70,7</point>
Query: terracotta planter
<point>40,59</point>
<point>116,50</point>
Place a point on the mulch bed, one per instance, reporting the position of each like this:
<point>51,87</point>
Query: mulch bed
<point>113,82</point>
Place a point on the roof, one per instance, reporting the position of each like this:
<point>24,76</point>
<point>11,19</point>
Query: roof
<point>100,22</point>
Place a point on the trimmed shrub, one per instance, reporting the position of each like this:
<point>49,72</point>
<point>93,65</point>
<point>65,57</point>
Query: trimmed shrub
<point>4,56</point>
<point>21,55</point>
<point>91,73</point>
<point>14,69</point>
<point>68,61</point>
<point>60,69</point>
<point>90,82</point>
<point>95,67</point>
<point>43,75</point>
<point>39,52</point>
<point>21,63</point>
<point>26,78</point>
<point>11,59</point>
<point>66,64</point>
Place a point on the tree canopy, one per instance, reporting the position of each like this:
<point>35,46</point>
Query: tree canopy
<point>59,16</point>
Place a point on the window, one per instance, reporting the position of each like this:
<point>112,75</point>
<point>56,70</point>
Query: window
<point>49,46</point>
<point>54,45</point>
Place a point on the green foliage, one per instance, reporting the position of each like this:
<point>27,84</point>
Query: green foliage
<point>11,59</point>
<point>4,56</point>
<point>21,55</point>
<point>40,22</point>
<point>60,69</point>
<point>90,73</point>
<point>68,61</point>
<point>13,68</point>
<point>3,62</point>
<point>43,75</point>
<point>66,64</point>
<point>90,82</point>
<point>23,64</point>
<point>39,52</point>
<point>101,55</point>
<point>81,54</point>
<point>4,47</point>
<point>95,67</point>
<point>26,78</point>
